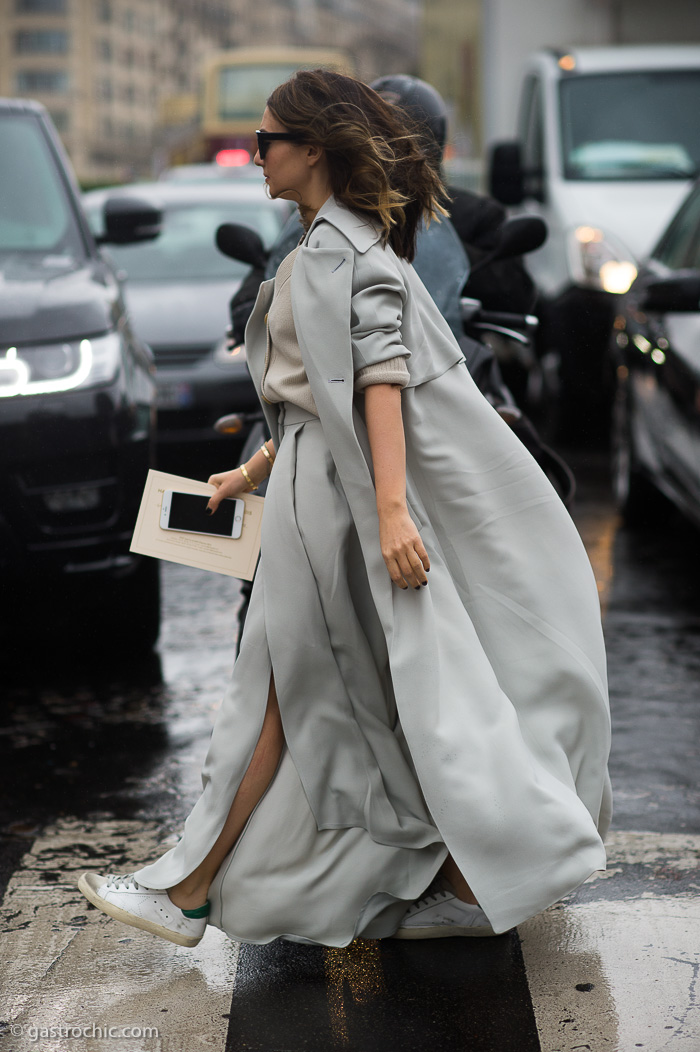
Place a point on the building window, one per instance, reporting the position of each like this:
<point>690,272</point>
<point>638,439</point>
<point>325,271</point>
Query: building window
<point>61,119</point>
<point>44,7</point>
<point>42,80</point>
<point>104,89</point>
<point>104,50</point>
<point>104,11</point>
<point>41,42</point>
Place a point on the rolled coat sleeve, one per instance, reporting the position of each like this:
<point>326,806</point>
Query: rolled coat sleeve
<point>376,313</point>
<point>394,371</point>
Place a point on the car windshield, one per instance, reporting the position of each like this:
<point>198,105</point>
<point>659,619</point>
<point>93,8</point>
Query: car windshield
<point>631,126</point>
<point>185,249</point>
<point>37,222</point>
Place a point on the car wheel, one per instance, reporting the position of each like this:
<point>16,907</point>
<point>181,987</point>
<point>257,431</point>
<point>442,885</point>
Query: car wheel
<point>640,504</point>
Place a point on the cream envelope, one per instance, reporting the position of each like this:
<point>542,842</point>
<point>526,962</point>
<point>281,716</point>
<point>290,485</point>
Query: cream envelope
<point>235,557</point>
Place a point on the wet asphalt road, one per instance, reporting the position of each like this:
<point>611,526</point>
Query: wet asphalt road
<point>118,741</point>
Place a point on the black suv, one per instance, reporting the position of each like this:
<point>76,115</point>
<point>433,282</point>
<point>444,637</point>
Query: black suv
<point>77,396</point>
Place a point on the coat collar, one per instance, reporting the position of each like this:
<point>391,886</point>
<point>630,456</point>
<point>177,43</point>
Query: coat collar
<point>358,229</point>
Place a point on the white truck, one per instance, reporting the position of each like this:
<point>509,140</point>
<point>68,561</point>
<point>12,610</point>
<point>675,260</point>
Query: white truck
<point>607,147</point>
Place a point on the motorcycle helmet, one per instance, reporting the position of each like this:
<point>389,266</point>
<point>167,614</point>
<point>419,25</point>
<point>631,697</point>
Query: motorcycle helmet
<point>422,103</point>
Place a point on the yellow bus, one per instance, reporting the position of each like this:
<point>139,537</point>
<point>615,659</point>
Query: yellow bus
<point>236,86</point>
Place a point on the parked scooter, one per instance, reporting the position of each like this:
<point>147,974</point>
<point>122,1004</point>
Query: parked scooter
<point>499,335</point>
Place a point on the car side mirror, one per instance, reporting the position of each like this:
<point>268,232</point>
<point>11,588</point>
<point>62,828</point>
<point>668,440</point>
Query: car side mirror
<point>241,243</point>
<point>678,292</point>
<point>506,177</point>
<point>127,220</point>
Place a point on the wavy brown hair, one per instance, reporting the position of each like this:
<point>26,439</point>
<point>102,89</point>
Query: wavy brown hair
<point>377,162</point>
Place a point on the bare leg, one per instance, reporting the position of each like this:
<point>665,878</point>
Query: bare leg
<point>450,871</point>
<point>193,890</point>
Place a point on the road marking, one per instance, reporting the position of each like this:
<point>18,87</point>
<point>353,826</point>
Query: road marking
<point>616,965</point>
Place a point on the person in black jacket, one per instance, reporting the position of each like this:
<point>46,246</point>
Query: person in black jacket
<point>503,285</point>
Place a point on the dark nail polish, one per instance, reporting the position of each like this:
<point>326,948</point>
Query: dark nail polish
<point>417,587</point>
<point>210,511</point>
<point>424,583</point>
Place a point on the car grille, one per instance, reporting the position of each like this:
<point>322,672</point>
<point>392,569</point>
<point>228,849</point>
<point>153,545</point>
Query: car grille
<point>178,356</point>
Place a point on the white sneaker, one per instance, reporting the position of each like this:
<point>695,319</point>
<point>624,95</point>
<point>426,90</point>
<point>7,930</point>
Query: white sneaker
<point>439,914</point>
<point>124,899</point>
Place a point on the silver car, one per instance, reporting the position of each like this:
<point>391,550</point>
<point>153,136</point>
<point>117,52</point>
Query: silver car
<point>177,293</point>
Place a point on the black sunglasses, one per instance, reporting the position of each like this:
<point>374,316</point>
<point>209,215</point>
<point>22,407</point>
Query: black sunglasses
<point>266,137</point>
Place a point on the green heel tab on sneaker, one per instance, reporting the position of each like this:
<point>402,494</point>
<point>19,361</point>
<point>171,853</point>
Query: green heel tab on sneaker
<point>201,911</point>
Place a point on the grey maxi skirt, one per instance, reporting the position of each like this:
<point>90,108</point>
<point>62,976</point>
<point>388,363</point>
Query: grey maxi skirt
<point>342,840</point>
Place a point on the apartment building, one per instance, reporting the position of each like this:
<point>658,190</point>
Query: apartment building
<point>107,69</point>
<point>101,68</point>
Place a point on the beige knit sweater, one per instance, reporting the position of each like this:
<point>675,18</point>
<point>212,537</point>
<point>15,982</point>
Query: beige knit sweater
<point>284,378</point>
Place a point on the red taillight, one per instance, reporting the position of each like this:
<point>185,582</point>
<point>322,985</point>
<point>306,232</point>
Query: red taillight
<point>232,158</point>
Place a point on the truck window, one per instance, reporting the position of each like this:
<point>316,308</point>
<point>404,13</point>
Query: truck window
<point>36,215</point>
<point>631,126</point>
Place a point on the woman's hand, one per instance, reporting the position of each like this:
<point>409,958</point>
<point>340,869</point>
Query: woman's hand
<point>402,548</point>
<point>233,483</point>
<point>228,484</point>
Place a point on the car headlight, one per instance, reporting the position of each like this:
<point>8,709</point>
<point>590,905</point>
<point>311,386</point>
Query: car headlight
<point>598,260</point>
<point>63,366</point>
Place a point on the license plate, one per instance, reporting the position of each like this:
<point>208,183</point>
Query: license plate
<point>175,396</point>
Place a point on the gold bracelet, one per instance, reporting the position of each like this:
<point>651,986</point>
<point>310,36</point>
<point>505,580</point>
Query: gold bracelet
<point>244,472</point>
<point>268,456</point>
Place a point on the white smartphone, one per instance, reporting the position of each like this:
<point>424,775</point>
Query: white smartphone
<point>187,512</point>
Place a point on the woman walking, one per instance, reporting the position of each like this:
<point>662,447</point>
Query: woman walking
<point>420,691</point>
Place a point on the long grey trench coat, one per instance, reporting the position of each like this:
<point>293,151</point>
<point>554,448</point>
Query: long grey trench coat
<point>498,666</point>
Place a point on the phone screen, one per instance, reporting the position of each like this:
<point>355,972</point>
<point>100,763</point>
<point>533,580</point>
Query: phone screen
<point>188,512</point>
